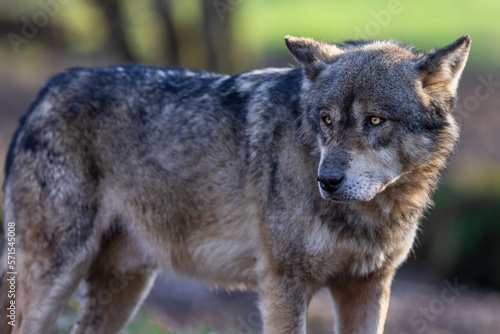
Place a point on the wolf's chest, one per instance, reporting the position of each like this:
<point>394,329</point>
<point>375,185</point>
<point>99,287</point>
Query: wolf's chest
<point>337,252</point>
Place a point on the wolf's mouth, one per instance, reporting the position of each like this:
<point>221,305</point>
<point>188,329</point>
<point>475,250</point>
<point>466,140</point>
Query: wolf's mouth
<point>339,200</point>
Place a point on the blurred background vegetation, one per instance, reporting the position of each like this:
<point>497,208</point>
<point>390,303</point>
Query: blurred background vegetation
<point>460,235</point>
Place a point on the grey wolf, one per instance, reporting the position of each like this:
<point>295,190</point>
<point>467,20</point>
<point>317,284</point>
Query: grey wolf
<point>283,180</point>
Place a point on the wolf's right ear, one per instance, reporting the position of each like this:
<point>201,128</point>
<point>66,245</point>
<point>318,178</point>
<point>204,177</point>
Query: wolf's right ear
<point>314,55</point>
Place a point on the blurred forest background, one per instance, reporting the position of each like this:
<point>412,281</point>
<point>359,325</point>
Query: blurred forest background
<point>460,238</point>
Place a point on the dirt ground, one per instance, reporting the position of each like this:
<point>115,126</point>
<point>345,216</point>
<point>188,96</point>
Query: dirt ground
<point>416,306</point>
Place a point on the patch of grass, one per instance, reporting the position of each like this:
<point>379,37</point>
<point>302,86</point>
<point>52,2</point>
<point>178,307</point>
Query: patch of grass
<point>204,330</point>
<point>144,324</point>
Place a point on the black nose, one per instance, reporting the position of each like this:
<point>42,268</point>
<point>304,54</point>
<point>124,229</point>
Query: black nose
<point>330,184</point>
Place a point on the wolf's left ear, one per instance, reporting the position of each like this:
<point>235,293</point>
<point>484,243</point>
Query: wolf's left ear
<point>441,69</point>
<point>314,55</point>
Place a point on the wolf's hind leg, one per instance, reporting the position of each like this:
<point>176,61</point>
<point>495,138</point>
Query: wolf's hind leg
<point>42,293</point>
<point>49,265</point>
<point>115,285</point>
<point>53,208</point>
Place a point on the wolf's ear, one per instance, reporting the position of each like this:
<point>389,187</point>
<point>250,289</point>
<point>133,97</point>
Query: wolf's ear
<point>441,69</point>
<point>314,55</point>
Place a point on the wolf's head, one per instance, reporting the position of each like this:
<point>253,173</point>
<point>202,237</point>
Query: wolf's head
<point>380,110</point>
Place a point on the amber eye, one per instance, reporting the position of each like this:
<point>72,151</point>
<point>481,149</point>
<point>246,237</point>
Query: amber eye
<point>375,120</point>
<point>328,120</point>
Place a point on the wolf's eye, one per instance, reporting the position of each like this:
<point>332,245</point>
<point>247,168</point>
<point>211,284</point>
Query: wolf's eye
<point>375,120</point>
<point>327,120</point>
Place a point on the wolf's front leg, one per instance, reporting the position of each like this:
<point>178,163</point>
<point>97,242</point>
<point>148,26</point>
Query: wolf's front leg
<point>361,303</point>
<point>283,303</point>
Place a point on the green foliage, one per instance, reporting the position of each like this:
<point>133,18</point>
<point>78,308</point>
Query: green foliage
<point>261,24</point>
<point>80,19</point>
<point>461,235</point>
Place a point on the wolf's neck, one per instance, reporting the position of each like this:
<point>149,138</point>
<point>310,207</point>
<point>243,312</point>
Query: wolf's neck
<point>404,203</point>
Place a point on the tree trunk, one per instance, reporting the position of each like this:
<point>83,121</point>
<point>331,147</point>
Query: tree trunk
<point>218,35</point>
<point>113,10</point>
<point>164,9</point>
